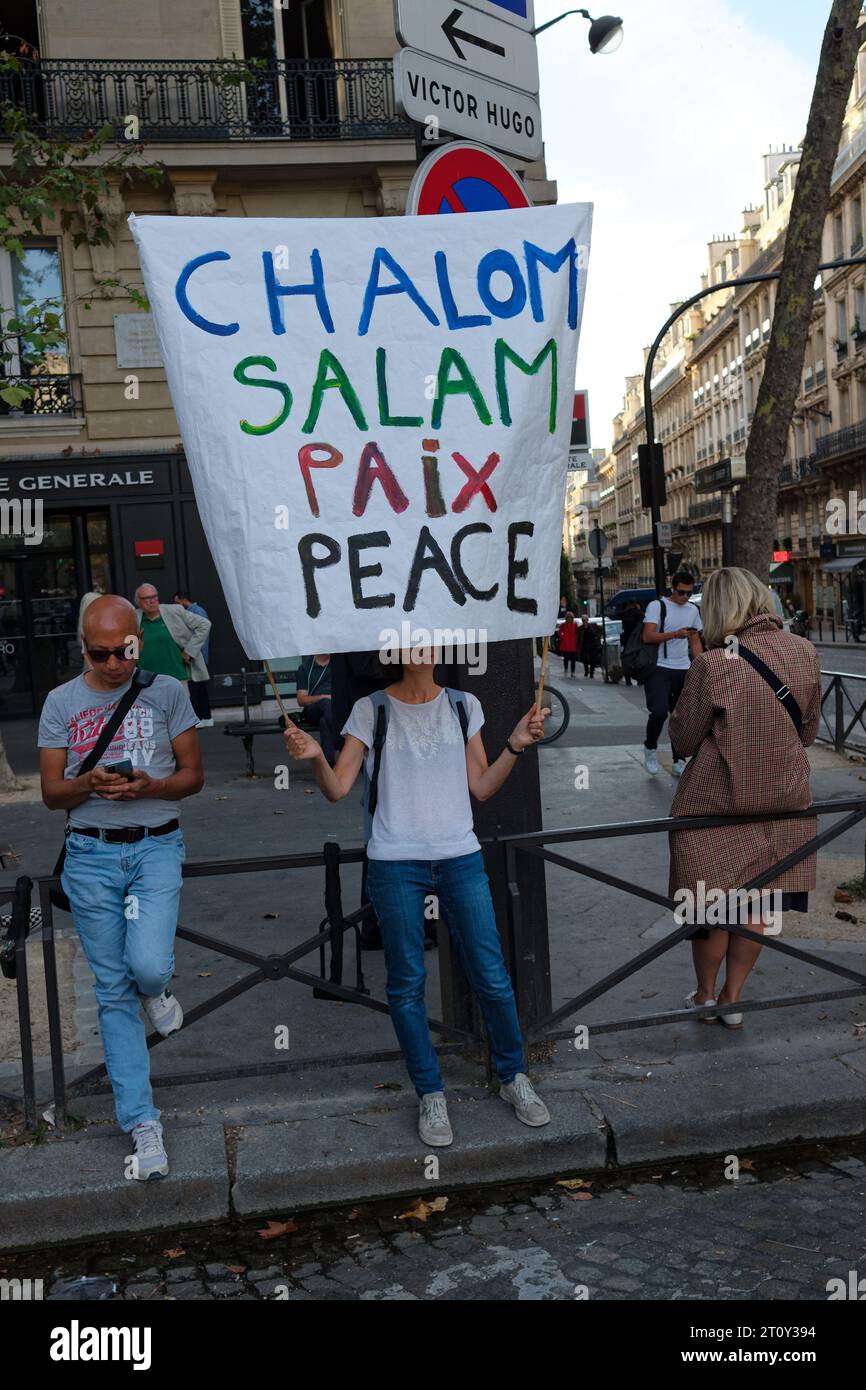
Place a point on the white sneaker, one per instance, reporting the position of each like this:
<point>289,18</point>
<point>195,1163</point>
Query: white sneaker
<point>434,1126</point>
<point>164,1012</point>
<point>149,1158</point>
<point>650,761</point>
<point>528,1105</point>
<point>204,724</point>
<point>678,767</point>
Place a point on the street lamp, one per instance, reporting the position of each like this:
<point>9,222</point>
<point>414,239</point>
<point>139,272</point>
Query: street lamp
<point>605,34</point>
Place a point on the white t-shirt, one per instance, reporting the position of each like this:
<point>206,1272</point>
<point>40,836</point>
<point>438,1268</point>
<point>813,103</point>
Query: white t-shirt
<point>423,809</point>
<point>676,615</point>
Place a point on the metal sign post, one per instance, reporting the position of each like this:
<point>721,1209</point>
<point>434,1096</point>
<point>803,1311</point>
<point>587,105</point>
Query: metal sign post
<point>597,547</point>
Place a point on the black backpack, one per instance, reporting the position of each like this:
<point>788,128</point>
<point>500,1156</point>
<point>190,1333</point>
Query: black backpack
<point>639,658</point>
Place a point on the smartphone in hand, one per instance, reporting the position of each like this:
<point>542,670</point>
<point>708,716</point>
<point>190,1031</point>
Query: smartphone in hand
<point>123,769</point>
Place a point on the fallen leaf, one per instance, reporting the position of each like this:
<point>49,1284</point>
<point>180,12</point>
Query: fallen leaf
<point>860,1030</point>
<point>387,1086</point>
<point>236,1269</point>
<point>205,974</point>
<point>570,1183</point>
<point>843,896</point>
<point>271,916</point>
<point>278,1228</point>
<point>422,1209</point>
<point>173,1254</point>
<point>309,791</point>
<point>747,1164</point>
<point>580,1196</point>
<point>846,917</point>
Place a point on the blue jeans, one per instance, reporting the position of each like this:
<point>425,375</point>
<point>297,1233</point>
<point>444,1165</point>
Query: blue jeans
<point>398,889</point>
<point>124,902</point>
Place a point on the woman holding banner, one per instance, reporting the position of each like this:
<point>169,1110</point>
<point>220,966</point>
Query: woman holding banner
<point>422,753</point>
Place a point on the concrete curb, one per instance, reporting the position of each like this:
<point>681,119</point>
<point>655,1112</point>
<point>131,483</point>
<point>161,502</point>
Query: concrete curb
<point>74,1189</point>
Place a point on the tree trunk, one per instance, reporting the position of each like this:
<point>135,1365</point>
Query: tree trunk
<point>757,503</point>
<point>8,781</point>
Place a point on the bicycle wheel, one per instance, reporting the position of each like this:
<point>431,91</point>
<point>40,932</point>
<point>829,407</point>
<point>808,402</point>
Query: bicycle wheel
<point>557,721</point>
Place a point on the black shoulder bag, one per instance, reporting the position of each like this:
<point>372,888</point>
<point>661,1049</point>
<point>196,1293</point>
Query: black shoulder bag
<point>781,691</point>
<point>140,681</point>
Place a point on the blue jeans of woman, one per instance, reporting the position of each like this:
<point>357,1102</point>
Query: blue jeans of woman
<point>124,900</point>
<point>399,890</point>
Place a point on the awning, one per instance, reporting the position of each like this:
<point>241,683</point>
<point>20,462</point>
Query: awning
<point>842,564</point>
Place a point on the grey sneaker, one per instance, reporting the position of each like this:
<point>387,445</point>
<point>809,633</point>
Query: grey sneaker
<point>678,767</point>
<point>433,1124</point>
<point>528,1106</point>
<point>650,761</point>
<point>164,1012</point>
<point>149,1159</point>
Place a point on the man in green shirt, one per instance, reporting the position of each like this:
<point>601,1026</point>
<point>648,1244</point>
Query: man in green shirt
<point>171,637</point>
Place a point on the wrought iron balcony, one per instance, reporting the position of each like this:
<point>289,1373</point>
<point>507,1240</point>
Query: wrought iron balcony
<point>844,441</point>
<point>53,394</point>
<point>705,511</point>
<point>210,99</point>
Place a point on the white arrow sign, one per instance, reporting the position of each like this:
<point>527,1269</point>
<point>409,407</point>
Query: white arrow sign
<point>465,104</point>
<point>461,34</point>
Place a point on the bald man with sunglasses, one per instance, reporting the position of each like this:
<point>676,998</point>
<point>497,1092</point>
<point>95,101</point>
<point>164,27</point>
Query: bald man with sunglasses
<point>124,847</point>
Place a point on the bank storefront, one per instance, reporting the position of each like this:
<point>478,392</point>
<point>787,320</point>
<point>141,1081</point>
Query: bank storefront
<point>109,525</point>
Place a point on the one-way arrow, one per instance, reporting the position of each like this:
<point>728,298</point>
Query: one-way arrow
<point>452,34</point>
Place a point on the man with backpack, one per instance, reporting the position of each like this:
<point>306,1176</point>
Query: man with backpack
<point>671,626</point>
<point>421,750</point>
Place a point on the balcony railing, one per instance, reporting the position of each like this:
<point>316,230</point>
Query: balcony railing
<point>209,99</point>
<point>54,394</point>
<point>703,511</point>
<point>798,470</point>
<point>841,442</point>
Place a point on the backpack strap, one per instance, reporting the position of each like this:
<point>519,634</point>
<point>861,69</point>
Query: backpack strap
<point>459,704</point>
<point>781,691</point>
<point>379,701</point>
<point>663,613</point>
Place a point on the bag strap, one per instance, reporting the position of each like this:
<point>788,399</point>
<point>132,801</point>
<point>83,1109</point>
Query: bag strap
<point>663,613</point>
<point>781,691</point>
<point>140,681</point>
<point>457,700</point>
<point>380,706</point>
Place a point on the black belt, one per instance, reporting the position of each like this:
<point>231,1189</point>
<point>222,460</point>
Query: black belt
<point>125,834</point>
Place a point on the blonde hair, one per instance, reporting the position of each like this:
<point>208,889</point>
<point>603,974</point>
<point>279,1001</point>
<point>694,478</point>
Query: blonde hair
<point>731,597</point>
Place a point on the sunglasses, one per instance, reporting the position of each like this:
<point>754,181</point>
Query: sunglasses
<point>684,593</point>
<point>102,654</point>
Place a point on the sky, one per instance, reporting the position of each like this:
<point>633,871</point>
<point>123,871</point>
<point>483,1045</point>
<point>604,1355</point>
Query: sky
<point>665,138</point>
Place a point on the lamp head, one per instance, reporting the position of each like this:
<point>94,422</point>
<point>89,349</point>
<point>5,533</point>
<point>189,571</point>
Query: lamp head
<point>605,34</point>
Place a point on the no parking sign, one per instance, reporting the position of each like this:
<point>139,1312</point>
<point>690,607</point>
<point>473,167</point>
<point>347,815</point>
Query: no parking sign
<point>463,177</point>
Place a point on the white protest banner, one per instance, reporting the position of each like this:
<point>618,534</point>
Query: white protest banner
<point>376,415</point>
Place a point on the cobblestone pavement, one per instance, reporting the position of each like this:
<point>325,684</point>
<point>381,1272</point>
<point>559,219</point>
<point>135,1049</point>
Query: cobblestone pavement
<point>780,1231</point>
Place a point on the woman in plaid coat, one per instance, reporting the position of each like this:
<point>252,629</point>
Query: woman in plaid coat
<point>747,757</point>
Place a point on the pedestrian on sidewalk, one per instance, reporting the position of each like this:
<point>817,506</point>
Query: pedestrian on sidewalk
<point>590,647</point>
<point>748,747</point>
<point>314,697</point>
<point>171,638</point>
<point>124,849</point>
<point>568,643</point>
<point>199,690</point>
<point>423,844</point>
<point>632,614</point>
<point>673,625</point>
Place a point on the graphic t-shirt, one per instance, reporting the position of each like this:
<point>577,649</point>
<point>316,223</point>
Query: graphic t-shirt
<point>159,651</point>
<point>674,656</point>
<point>423,810</point>
<point>74,716</point>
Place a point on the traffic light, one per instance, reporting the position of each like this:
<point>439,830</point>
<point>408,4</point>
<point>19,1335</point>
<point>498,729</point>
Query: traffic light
<point>656,471</point>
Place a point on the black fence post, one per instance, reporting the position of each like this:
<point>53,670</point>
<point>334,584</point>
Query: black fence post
<point>52,1003</point>
<point>839,731</point>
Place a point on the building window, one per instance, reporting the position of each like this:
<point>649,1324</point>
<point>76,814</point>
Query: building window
<point>856,225</point>
<point>838,238</point>
<point>34,276</point>
<point>841,321</point>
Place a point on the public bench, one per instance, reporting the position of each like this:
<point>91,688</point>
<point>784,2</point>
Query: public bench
<point>247,729</point>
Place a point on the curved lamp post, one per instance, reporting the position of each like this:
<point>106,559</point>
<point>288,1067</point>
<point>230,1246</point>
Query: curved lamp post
<point>605,34</point>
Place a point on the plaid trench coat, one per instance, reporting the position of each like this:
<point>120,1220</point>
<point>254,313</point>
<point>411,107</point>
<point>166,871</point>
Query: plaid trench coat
<point>746,757</point>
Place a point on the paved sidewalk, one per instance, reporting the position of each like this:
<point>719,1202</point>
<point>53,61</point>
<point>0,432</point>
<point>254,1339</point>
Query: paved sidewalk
<point>348,1134</point>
